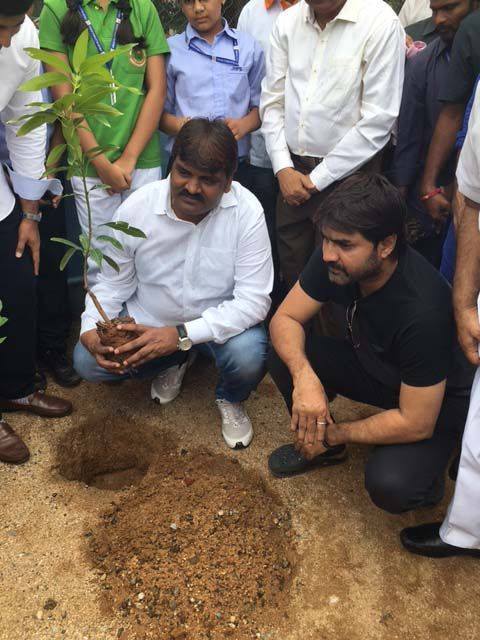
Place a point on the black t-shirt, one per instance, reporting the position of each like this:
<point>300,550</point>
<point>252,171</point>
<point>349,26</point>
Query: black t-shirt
<point>403,332</point>
<point>465,62</point>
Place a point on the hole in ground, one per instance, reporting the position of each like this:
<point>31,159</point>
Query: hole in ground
<point>107,453</point>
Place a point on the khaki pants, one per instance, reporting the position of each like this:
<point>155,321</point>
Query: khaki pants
<point>296,234</point>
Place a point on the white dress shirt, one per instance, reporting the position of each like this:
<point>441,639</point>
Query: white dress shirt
<point>27,154</point>
<point>333,93</point>
<point>468,170</point>
<point>413,11</point>
<point>258,21</point>
<point>215,276</point>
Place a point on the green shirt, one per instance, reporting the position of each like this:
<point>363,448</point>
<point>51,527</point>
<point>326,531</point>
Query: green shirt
<point>127,69</point>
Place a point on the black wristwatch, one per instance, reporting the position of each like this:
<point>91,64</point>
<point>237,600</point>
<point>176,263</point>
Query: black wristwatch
<point>184,343</point>
<point>325,441</point>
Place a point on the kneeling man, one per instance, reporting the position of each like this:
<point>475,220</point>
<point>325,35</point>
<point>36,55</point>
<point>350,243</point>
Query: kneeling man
<point>199,282</point>
<point>400,352</point>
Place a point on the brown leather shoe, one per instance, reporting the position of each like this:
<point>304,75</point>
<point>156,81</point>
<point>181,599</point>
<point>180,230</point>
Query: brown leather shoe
<point>40,404</point>
<point>12,447</point>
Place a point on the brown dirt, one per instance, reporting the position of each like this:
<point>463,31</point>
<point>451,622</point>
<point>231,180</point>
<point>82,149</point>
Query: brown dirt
<point>110,336</point>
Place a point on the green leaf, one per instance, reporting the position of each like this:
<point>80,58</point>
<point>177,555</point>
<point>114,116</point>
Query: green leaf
<point>55,154</point>
<point>1,305</point>
<point>2,340</point>
<point>3,321</point>
<point>36,121</point>
<point>134,232</point>
<point>83,239</point>
<point>102,121</point>
<point>112,263</point>
<point>113,241</point>
<point>97,256</point>
<point>50,59</point>
<point>80,50</point>
<point>44,81</point>
<point>66,242</point>
<point>102,108</point>
<point>66,258</point>
<point>99,186</point>
<point>96,62</point>
<point>100,75</point>
<point>124,227</point>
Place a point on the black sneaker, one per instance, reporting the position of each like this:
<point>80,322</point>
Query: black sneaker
<point>60,367</point>
<point>286,461</point>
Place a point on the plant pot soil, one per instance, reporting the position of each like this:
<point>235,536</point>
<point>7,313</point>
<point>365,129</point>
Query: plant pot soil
<point>110,336</point>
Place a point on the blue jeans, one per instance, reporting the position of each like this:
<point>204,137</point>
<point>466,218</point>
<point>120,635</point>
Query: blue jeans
<point>241,364</point>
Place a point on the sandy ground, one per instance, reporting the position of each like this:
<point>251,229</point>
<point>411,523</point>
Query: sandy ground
<point>353,580</point>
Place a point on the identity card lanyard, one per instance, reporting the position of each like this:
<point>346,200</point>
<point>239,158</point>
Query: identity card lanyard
<point>97,42</point>
<point>234,63</point>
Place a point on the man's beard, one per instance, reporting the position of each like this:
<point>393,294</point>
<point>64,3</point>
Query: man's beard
<point>340,276</point>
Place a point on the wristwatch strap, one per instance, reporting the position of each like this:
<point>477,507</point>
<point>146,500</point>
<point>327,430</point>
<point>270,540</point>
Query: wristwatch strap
<point>36,217</point>
<point>182,331</point>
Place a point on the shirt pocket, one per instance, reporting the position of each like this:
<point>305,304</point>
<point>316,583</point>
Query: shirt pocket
<point>237,85</point>
<point>340,81</point>
<point>216,273</point>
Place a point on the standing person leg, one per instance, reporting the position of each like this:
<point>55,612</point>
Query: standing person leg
<point>53,310</point>
<point>241,364</point>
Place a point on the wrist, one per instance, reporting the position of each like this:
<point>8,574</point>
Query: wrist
<point>301,371</point>
<point>431,193</point>
<point>336,434</point>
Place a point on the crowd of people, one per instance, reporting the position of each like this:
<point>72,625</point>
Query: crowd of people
<point>322,194</point>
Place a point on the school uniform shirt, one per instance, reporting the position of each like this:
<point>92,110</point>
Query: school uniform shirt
<point>128,69</point>
<point>215,276</point>
<point>257,19</point>
<point>335,93</point>
<point>413,11</point>
<point>27,154</point>
<point>200,85</point>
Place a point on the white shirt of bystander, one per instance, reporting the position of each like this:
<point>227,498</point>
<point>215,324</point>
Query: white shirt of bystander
<point>413,11</point>
<point>333,93</point>
<point>468,170</point>
<point>27,154</point>
<point>215,276</point>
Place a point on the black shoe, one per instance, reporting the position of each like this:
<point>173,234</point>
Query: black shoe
<point>40,381</point>
<point>286,461</point>
<point>425,540</point>
<point>57,363</point>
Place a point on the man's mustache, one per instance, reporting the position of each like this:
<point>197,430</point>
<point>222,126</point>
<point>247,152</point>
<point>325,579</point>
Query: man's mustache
<point>192,196</point>
<point>336,267</point>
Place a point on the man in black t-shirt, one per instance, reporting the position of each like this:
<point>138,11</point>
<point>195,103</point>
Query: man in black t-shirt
<point>400,352</point>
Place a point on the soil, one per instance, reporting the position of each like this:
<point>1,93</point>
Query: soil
<point>110,336</point>
<point>349,577</point>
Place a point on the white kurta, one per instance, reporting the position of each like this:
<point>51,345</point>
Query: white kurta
<point>461,527</point>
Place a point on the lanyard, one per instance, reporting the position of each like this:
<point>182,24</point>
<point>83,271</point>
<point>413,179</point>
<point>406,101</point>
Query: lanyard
<point>96,40</point>
<point>234,63</point>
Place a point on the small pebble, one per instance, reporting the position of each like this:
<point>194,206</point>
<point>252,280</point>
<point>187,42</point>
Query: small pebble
<point>333,600</point>
<point>141,596</point>
<point>173,526</point>
<point>50,604</point>
<point>39,615</point>
<point>221,513</point>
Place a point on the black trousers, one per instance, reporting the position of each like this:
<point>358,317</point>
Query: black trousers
<point>18,294</point>
<point>53,310</point>
<point>398,477</point>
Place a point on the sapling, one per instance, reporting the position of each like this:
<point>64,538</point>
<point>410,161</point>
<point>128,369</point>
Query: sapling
<point>3,321</point>
<point>92,90</point>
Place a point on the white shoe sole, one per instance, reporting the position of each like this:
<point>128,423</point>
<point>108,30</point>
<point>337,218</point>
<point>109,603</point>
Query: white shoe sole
<point>162,398</point>
<point>239,444</point>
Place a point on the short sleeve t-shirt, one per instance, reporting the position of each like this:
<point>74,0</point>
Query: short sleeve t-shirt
<point>465,62</point>
<point>128,69</point>
<point>405,331</point>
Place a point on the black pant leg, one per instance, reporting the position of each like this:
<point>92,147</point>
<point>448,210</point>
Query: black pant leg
<point>54,318</point>
<point>408,476</point>
<point>18,294</point>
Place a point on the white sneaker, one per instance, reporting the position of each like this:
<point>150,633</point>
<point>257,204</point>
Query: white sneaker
<point>237,430</point>
<point>168,384</point>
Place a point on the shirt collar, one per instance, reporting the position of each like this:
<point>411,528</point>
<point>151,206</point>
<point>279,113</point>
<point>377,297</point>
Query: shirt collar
<point>349,12</point>
<point>227,201</point>
<point>191,33</point>
<point>285,4</point>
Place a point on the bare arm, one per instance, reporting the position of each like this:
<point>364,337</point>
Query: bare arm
<point>240,127</point>
<point>171,124</point>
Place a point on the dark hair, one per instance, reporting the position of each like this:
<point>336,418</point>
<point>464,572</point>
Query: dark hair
<point>73,25</point>
<point>14,7</point>
<point>207,145</point>
<point>365,203</point>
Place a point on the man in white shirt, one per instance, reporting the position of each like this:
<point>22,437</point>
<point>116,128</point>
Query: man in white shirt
<point>257,19</point>
<point>329,103</point>
<point>200,281</point>
<point>19,238</point>
<point>413,11</point>
<point>460,532</point>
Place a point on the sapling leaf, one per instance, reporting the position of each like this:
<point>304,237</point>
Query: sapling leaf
<point>99,186</point>
<point>102,108</point>
<point>112,263</point>
<point>2,340</point>
<point>50,59</point>
<point>1,306</point>
<point>66,258</point>
<point>84,241</point>
<point>3,321</point>
<point>99,60</point>
<point>113,241</point>
<point>55,154</point>
<point>97,256</point>
<point>66,242</point>
<point>36,121</point>
<point>44,81</point>
<point>80,50</point>
<point>124,227</point>
<point>134,232</point>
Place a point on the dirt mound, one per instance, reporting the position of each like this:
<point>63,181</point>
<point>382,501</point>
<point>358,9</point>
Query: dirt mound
<point>198,550</point>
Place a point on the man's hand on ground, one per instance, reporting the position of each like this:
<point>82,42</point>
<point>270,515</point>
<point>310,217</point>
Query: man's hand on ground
<point>28,236</point>
<point>438,208</point>
<point>152,342</point>
<point>468,328</point>
<point>293,186</point>
<point>91,342</point>
<point>310,410</point>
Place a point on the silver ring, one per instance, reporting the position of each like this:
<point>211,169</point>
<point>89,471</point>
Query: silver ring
<point>321,422</point>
